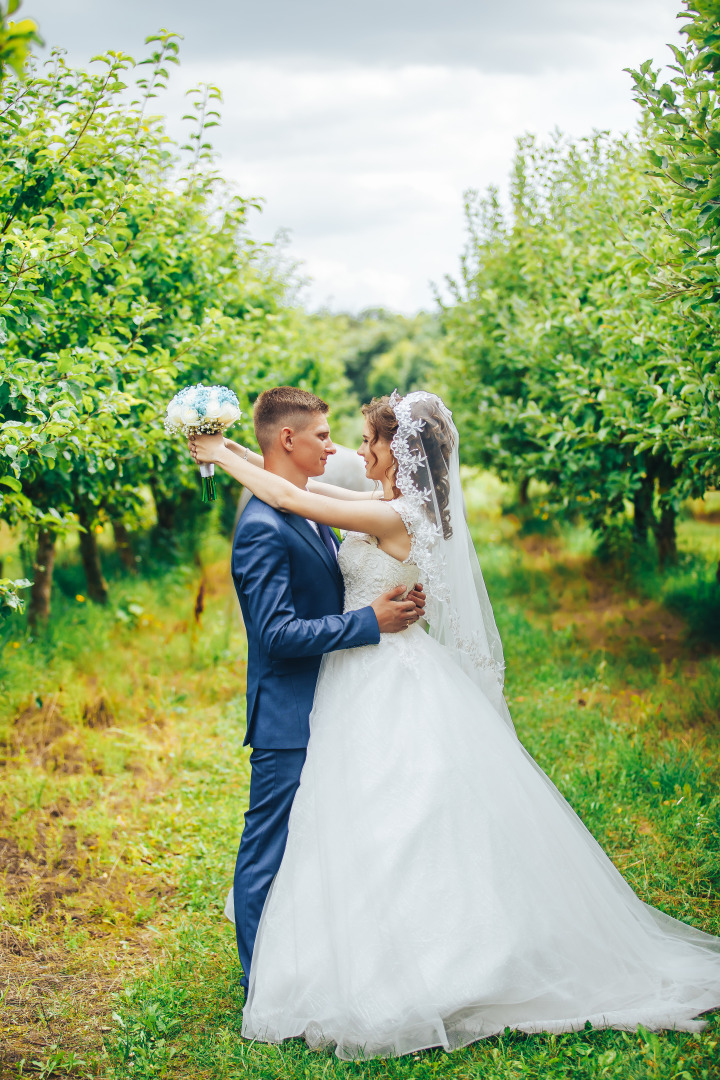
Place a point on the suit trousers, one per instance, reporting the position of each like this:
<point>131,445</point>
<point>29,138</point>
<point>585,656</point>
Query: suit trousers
<point>274,779</point>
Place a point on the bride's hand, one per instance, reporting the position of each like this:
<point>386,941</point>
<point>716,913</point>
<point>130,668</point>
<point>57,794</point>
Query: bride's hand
<point>418,598</point>
<point>206,449</point>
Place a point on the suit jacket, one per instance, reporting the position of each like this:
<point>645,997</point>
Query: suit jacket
<point>291,594</point>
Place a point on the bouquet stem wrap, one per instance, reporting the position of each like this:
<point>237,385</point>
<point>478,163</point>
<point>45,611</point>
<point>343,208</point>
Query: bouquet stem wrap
<point>209,492</point>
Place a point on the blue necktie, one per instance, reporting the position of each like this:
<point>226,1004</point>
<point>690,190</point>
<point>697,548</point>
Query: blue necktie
<point>327,539</point>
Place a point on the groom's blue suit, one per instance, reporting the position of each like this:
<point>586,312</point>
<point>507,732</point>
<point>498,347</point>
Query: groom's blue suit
<point>291,594</point>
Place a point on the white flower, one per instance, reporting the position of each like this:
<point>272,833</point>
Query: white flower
<point>190,416</point>
<point>228,413</point>
<point>173,418</point>
<point>212,408</point>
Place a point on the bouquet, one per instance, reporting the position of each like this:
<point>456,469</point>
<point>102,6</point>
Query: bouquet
<point>203,410</point>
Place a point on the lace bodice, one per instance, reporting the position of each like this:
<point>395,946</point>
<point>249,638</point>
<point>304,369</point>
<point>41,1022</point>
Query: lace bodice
<point>369,571</point>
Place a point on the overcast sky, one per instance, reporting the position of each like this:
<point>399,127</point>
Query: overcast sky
<point>361,125</point>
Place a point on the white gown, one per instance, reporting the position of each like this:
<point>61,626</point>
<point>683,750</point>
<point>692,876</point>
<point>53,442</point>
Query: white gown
<point>436,887</point>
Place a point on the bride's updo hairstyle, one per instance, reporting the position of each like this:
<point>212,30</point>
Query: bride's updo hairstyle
<point>383,425</point>
<point>437,441</point>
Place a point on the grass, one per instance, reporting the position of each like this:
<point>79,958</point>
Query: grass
<point>124,782</point>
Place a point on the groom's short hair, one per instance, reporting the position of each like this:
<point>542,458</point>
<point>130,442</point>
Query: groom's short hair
<point>284,406</point>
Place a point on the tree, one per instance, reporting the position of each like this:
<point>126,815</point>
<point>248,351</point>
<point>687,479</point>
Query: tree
<point>382,350</point>
<point>560,347</point>
<point>16,39</point>
<point>126,271</point>
<point>681,134</point>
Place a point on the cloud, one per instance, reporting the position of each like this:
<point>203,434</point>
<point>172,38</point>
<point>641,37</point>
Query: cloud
<point>361,127</point>
<point>524,36</point>
<point>367,166</point>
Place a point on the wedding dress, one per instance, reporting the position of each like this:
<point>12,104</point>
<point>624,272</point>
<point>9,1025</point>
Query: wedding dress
<point>436,888</point>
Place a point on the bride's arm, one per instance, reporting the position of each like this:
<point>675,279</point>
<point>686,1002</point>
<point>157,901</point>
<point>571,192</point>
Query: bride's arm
<point>332,490</point>
<point>363,515</point>
<point>245,453</point>
<point>317,487</point>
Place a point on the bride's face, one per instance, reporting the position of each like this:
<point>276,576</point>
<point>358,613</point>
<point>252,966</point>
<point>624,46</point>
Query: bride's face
<point>378,458</point>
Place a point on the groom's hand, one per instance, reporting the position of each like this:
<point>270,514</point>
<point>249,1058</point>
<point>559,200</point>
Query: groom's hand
<point>394,614</point>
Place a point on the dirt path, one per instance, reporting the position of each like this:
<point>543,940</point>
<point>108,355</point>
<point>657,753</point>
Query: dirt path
<point>604,614</point>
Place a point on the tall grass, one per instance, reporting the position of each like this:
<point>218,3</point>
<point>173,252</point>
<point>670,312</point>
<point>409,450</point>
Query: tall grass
<point>153,801</point>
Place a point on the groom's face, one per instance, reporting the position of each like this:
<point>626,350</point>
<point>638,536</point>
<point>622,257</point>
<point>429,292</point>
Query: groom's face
<point>310,444</point>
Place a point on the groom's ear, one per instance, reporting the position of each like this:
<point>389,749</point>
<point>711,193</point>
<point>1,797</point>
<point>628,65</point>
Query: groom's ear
<point>286,436</point>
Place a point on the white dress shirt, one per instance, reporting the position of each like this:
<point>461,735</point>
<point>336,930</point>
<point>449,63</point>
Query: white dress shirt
<point>314,525</point>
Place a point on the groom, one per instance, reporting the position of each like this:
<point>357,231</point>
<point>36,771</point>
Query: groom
<point>291,594</point>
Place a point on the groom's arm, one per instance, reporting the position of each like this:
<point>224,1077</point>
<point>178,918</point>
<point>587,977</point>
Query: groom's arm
<point>260,563</point>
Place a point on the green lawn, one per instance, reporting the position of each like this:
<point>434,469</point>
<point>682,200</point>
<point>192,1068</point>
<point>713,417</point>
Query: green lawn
<point>124,782</point>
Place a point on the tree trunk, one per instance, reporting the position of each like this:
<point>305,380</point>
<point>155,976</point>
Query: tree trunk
<point>664,529</point>
<point>665,536</point>
<point>27,557</point>
<point>164,510</point>
<point>97,588</point>
<point>42,573</point>
<point>523,498</point>
<point>123,546</point>
<point>643,516</point>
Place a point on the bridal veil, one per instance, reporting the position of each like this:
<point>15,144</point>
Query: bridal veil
<point>426,448</point>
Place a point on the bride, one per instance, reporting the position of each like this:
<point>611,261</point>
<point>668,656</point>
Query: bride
<point>436,888</point>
